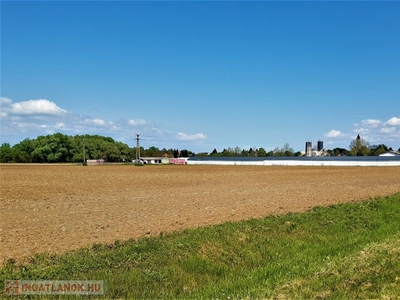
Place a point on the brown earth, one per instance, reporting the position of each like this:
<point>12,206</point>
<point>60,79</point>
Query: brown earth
<point>58,208</point>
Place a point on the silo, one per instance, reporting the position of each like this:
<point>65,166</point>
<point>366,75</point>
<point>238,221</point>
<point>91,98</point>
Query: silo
<point>320,145</point>
<point>308,148</point>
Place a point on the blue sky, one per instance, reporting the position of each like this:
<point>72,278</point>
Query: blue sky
<point>202,75</point>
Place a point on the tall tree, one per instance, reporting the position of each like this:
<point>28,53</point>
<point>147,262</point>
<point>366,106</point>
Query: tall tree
<point>237,151</point>
<point>359,147</point>
<point>214,152</point>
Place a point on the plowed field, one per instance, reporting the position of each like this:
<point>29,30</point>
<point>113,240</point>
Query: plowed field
<point>58,208</point>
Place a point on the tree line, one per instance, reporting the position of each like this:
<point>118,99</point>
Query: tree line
<point>60,148</point>
<point>286,150</point>
<point>358,147</point>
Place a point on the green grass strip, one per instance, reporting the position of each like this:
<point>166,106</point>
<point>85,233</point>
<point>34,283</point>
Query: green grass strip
<point>344,251</point>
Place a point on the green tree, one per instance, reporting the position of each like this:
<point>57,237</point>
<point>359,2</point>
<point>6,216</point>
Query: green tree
<point>237,151</point>
<point>6,153</point>
<point>339,152</point>
<point>62,148</point>
<point>287,150</point>
<point>40,154</point>
<point>124,151</point>
<point>261,152</point>
<point>228,152</point>
<point>359,147</point>
<point>378,149</point>
<point>277,151</point>
<point>253,152</point>
<point>23,151</point>
<point>214,152</point>
<point>184,153</point>
<point>270,153</point>
<point>168,153</point>
<point>202,154</point>
<point>151,152</point>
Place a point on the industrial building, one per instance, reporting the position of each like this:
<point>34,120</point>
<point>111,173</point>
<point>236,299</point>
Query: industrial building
<point>317,150</point>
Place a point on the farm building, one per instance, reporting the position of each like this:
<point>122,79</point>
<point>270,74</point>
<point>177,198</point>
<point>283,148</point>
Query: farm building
<point>389,154</point>
<point>178,161</point>
<point>95,162</point>
<point>155,160</point>
<point>298,161</point>
<point>164,160</point>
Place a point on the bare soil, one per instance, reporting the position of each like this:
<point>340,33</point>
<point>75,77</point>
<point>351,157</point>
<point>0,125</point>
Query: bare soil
<point>59,208</point>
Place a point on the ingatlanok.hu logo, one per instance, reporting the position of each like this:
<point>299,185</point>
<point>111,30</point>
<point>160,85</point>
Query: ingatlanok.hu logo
<point>54,287</point>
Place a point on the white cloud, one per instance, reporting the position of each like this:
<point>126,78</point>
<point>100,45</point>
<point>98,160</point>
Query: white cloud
<point>388,129</point>
<point>137,122</point>
<point>95,122</point>
<point>113,126</point>
<point>371,123</point>
<point>157,130</point>
<point>393,121</point>
<point>191,137</point>
<point>38,117</point>
<point>361,130</point>
<point>40,106</point>
<point>333,133</point>
<point>5,101</point>
<point>98,121</point>
<point>25,125</point>
<point>59,125</point>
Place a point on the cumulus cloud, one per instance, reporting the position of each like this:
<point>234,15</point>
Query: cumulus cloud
<point>376,132</point>
<point>4,104</point>
<point>32,118</point>
<point>99,121</point>
<point>333,133</point>
<point>191,137</point>
<point>5,101</point>
<point>371,123</point>
<point>388,129</point>
<point>393,121</point>
<point>41,106</point>
<point>137,122</point>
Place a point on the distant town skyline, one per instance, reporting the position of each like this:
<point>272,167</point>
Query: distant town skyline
<point>202,75</point>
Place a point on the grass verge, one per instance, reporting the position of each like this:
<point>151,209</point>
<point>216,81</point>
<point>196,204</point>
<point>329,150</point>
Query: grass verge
<point>344,251</point>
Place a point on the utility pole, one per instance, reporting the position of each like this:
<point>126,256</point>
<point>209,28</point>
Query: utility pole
<point>84,159</point>
<point>137,148</point>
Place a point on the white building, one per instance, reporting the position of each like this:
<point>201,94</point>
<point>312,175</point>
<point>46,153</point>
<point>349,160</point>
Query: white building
<point>389,154</point>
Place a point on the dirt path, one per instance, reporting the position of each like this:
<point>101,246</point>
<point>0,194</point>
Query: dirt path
<point>53,208</point>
